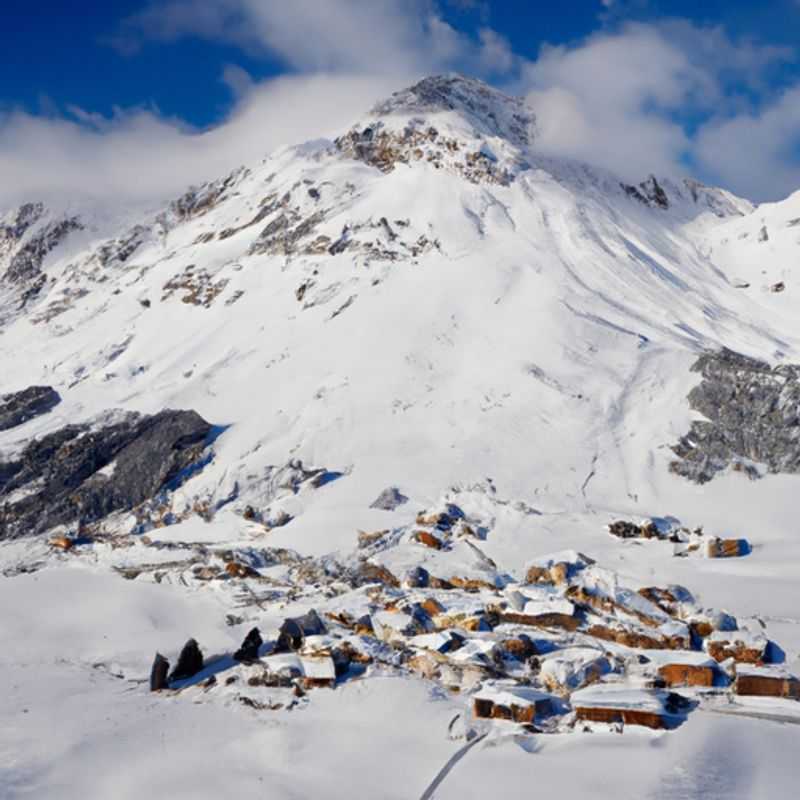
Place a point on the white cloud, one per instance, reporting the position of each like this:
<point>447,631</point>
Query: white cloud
<point>376,36</point>
<point>496,55</point>
<point>140,158</point>
<point>608,100</point>
<point>237,80</point>
<point>388,37</point>
<point>621,99</point>
<point>756,153</point>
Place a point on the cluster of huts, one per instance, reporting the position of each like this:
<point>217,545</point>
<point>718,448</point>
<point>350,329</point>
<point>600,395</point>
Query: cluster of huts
<point>568,643</point>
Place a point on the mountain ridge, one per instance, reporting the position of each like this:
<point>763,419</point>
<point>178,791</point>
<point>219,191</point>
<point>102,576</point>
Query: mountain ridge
<point>340,238</point>
<point>414,404</point>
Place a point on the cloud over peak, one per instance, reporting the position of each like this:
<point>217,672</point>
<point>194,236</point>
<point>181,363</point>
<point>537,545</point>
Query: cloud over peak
<point>140,158</point>
<point>667,97</point>
<point>637,99</point>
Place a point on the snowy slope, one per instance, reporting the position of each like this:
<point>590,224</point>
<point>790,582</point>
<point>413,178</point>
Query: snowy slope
<point>424,303</point>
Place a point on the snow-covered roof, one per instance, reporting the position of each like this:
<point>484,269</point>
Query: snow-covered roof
<point>283,661</point>
<point>618,697</point>
<point>550,605</point>
<point>509,694</point>
<point>688,658</point>
<point>775,671</point>
<point>318,668</point>
<point>747,637</point>
<point>473,650</point>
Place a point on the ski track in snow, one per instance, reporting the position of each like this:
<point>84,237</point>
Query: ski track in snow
<point>430,792</point>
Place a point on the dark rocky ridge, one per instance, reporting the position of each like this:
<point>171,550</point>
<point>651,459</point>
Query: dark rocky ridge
<point>61,479</point>
<point>649,192</point>
<point>26,263</point>
<point>752,415</point>
<point>17,224</point>
<point>19,407</point>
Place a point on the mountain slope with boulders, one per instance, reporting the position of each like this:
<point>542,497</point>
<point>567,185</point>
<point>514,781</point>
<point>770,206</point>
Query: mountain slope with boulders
<point>355,423</point>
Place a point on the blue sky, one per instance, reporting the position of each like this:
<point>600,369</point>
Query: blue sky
<point>51,54</point>
<point>633,85</point>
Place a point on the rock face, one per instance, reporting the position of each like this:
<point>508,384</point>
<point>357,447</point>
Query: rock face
<point>488,109</point>
<point>19,407</point>
<point>27,237</point>
<point>250,646</point>
<point>190,662</point>
<point>649,192</point>
<point>80,474</point>
<point>14,227</point>
<point>294,630</point>
<point>27,262</point>
<point>200,200</point>
<point>158,673</point>
<point>384,149</point>
<point>389,499</point>
<point>752,415</point>
<point>382,144</point>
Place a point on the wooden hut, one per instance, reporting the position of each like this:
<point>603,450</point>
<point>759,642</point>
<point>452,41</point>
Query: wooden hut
<point>510,702</point>
<point>621,704</point>
<point>684,668</point>
<point>771,681</point>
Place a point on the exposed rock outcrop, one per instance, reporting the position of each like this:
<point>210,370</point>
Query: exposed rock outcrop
<point>80,474</point>
<point>284,235</point>
<point>752,416</point>
<point>196,287</point>
<point>158,673</point>
<point>497,113</point>
<point>200,200</point>
<point>118,251</point>
<point>399,133</point>
<point>384,149</point>
<point>250,647</point>
<point>14,227</point>
<point>190,662</point>
<point>19,407</point>
<point>26,263</point>
<point>649,192</point>
<point>389,499</point>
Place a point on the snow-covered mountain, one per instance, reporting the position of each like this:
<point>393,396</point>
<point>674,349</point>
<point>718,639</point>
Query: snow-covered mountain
<point>423,307</point>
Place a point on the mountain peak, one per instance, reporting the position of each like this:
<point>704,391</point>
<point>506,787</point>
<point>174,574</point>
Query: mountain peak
<point>492,111</point>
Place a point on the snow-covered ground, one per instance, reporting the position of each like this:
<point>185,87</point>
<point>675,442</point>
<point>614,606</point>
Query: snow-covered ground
<point>500,331</point>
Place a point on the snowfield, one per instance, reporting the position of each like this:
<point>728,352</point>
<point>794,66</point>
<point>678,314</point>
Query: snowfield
<point>427,304</point>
